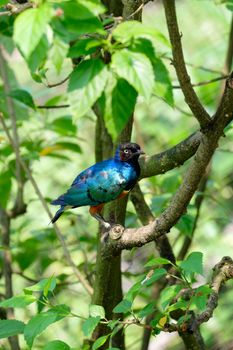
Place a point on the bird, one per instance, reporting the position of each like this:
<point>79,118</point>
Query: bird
<point>103,182</point>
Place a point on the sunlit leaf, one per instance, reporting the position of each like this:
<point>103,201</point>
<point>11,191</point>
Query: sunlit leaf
<point>136,68</point>
<point>86,85</point>
<point>18,301</point>
<point>96,310</point>
<point>30,25</point>
<point>56,345</point>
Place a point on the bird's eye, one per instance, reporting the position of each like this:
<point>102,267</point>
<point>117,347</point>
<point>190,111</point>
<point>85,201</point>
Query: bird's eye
<point>126,151</point>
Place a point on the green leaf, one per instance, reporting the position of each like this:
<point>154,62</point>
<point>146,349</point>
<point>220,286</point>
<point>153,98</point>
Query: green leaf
<point>158,273</point>
<point>83,47</point>
<point>58,53</point>
<point>157,261</point>
<point>123,307</point>
<point>200,298</point>
<point>168,294</point>
<point>128,30</point>
<point>24,97</point>
<point>5,185</point>
<point>30,26</point>
<point>63,126</point>
<point>40,322</point>
<point>56,345</point>
<point>100,341</point>
<point>89,325</point>
<point>79,19</point>
<point>9,328</point>
<point>147,310</point>
<point>193,263</point>
<point>136,68</point>
<point>38,56</point>
<point>163,85</point>
<point>86,85</point>
<point>3,2</point>
<point>133,291</point>
<point>19,301</point>
<point>119,105</point>
<point>47,284</point>
<point>96,310</point>
<point>185,224</point>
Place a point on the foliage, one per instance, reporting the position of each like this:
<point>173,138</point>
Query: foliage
<point>120,68</point>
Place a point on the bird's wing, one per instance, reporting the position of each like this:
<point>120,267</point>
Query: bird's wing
<point>101,183</point>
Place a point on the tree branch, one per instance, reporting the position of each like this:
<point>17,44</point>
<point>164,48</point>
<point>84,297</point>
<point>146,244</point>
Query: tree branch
<point>45,206</point>
<point>178,60</point>
<point>173,157</point>
<point>209,142</point>
<point>223,271</point>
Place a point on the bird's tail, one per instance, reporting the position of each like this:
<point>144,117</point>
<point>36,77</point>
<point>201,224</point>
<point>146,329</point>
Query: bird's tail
<point>58,214</point>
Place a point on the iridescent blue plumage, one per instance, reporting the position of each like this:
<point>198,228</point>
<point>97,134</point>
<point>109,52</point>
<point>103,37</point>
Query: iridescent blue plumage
<point>102,182</point>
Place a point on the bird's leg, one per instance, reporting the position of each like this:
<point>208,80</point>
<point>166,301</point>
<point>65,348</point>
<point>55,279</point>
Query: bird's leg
<point>95,211</point>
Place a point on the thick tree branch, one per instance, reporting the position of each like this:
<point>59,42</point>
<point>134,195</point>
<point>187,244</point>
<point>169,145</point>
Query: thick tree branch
<point>60,237</point>
<point>178,60</point>
<point>173,157</point>
<point>162,225</point>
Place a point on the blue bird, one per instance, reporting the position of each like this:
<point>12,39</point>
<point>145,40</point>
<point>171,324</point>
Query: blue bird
<point>103,182</point>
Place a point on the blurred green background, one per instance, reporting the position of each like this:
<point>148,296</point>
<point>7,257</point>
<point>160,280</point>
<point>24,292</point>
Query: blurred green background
<point>205,30</point>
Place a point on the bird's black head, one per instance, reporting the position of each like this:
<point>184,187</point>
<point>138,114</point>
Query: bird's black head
<point>128,152</point>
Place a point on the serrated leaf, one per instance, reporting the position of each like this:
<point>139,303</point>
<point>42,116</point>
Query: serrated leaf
<point>123,307</point>
<point>120,100</point>
<point>136,68</point>
<point>96,310</point>
<point>86,85</point>
<point>133,291</point>
<point>157,261</point>
<point>19,301</point>
<point>128,30</point>
<point>56,345</point>
<point>58,53</point>
<point>29,27</point>
<point>89,325</point>
<point>193,263</point>
<point>40,286</point>
<point>100,341</point>
<point>9,328</point>
<point>162,82</point>
<point>40,322</point>
<point>158,273</point>
<point>24,97</point>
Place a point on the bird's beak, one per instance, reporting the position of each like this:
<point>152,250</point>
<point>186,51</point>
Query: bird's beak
<point>140,152</point>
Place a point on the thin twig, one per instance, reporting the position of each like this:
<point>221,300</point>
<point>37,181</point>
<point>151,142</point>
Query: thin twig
<point>201,83</point>
<point>57,84</point>
<point>136,11</point>
<point>53,107</point>
<point>45,206</point>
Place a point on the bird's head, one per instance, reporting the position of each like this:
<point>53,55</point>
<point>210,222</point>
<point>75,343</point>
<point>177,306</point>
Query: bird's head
<point>128,152</point>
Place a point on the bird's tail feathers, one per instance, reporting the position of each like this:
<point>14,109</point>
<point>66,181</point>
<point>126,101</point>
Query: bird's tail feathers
<point>58,201</point>
<point>58,214</point>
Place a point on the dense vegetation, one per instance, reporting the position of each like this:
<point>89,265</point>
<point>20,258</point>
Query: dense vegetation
<point>78,77</point>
